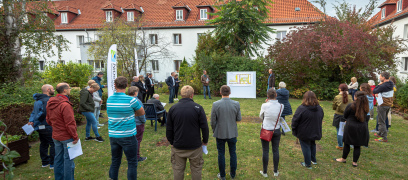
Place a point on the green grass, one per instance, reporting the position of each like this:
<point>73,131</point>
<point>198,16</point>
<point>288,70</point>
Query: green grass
<point>379,161</point>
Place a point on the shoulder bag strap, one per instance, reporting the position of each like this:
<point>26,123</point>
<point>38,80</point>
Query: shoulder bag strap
<point>280,111</point>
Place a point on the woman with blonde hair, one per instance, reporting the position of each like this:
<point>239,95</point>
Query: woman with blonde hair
<point>353,86</point>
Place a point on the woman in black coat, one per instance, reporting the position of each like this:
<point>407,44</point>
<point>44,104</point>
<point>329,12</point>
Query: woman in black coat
<point>356,128</point>
<point>307,126</point>
<point>283,98</point>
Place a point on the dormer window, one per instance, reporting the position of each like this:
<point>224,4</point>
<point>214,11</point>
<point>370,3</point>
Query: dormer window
<point>64,18</point>
<point>109,16</point>
<point>399,6</point>
<point>179,14</point>
<point>383,13</point>
<point>203,14</point>
<point>131,16</point>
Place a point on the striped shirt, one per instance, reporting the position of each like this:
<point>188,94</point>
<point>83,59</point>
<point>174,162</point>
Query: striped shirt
<point>121,115</point>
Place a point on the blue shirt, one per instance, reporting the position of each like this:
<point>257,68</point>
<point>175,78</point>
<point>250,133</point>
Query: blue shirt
<point>121,115</point>
<point>140,119</point>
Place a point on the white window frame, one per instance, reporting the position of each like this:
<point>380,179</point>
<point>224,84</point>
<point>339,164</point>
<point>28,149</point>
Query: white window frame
<point>203,14</point>
<point>177,63</point>
<point>179,15</point>
<point>280,35</point>
<point>405,64</point>
<point>199,35</point>
<point>131,16</point>
<point>80,41</point>
<point>64,18</point>
<point>153,39</point>
<point>109,16</point>
<point>405,31</point>
<point>95,63</point>
<point>41,65</point>
<point>177,39</point>
<point>383,13</point>
<point>399,6</point>
<point>155,65</point>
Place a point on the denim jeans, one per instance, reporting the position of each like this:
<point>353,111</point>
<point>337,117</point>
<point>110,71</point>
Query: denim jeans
<point>96,114</point>
<point>63,166</point>
<point>221,155</point>
<point>90,122</point>
<point>352,92</point>
<point>118,146</point>
<point>309,151</point>
<point>339,138</point>
<point>275,150</point>
<point>208,89</point>
<point>46,143</point>
<point>171,97</point>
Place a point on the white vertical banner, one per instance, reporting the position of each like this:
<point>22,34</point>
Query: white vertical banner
<point>112,69</point>
<point>137,63</point>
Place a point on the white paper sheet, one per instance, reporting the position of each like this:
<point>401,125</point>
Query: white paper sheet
<point>284,125</point>
<point>74,150</point>
<point>28,129</point>
<point>205,150</point>
<point>341,128</point>
<point>379,100</point>
<point>164,104</point>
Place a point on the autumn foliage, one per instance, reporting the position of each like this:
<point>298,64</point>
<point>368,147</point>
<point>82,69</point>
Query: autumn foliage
<point>334,51</point>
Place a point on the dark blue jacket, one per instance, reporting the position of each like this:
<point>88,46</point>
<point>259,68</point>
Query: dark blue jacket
<point>283,98</point>
<point>169,82</point>
<point>39,112</point>
<point>98,80</point>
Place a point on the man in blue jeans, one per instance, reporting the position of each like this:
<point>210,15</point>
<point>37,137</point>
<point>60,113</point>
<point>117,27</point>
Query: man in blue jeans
<point>171,83</point>
<point>60,116</point>
<point>224,116</point>
<point>87,108</point>
<point>205,79</point>
<point>122,110</point>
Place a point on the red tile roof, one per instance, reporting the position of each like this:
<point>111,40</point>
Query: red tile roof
<point>68,9</point>
<point>132,7</point>
<point>376,19</point>
<point>160,13</point>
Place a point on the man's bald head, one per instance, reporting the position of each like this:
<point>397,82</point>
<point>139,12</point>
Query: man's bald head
<point>47,89</point>
<point>63,88</point>
<point>270,71</point>
<point>156,96</point>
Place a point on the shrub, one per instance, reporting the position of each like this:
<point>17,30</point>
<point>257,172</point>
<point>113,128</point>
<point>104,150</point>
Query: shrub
<point>75,74</point>
<point>402,96</point>
<point>190,75</point>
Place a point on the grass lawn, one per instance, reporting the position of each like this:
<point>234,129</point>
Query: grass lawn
<point>379,161</point>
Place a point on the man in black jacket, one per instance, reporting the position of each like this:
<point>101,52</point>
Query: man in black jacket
<point>171,83</point>
<point>159,107</point>
<point>385,91</point>
<point>271,80</point>
<point>149,86</point>
<point>184,122</point>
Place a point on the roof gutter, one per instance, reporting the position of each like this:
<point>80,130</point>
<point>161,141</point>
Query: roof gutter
<point>392,19</point>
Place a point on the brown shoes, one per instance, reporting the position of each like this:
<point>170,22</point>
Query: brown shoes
<point>339,148</point>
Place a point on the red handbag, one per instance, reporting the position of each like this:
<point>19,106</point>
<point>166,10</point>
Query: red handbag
<point>267,135</point>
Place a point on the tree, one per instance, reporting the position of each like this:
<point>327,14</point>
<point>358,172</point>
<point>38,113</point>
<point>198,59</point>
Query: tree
<point>23,23</point>
<point>127,36</point>
<point>240,25</point>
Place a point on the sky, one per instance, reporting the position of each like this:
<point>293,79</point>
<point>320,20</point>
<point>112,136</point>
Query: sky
<point>359,4</point>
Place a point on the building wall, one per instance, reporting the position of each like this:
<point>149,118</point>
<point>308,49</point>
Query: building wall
<point>402,32</point>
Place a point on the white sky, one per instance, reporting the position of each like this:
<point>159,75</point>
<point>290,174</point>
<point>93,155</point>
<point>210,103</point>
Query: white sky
<point>359,4</point>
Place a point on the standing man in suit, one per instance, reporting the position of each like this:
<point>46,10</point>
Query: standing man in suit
<point>224,116</point>
<point>159,107</point>
<point>171,83</point>
<point>271,80</point>
<point>149,86</point>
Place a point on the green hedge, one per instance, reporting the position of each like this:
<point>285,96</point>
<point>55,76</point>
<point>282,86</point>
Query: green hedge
<point>75,74</point>
<point>402,96</point>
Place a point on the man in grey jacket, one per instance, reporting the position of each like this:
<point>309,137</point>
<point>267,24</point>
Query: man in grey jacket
<point>224,116</point>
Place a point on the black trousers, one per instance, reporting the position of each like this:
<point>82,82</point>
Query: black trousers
<point>46,143</point>
<point>150,92</point>
<point>356,152</point>
<point>275,150</point>
<point>176,90</point>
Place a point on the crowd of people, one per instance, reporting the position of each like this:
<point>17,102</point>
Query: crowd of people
<point>187,128</point>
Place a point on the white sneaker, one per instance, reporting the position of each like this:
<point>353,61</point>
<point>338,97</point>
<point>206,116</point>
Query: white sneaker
<point>314,163</point>
<point>264,174</point>
<point>276,173</point>
<point>101,125</point>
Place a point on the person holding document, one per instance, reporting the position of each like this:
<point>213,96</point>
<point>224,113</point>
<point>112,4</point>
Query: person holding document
<point>60,116</point>
<point>356,129</point>
<point>307,126</point>
<point>37,120</point>
<point>224,116</point>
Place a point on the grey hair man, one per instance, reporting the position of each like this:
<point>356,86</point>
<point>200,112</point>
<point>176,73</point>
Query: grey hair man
<point>384,91</point>
<point>159,108</point>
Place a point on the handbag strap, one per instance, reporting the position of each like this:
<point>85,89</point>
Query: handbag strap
<point>280,111</point>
